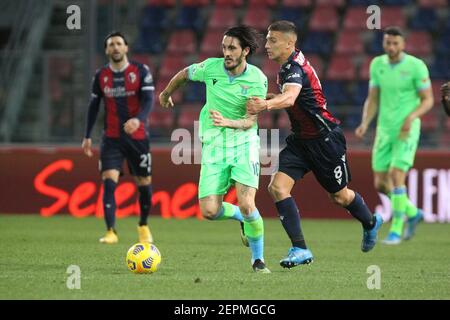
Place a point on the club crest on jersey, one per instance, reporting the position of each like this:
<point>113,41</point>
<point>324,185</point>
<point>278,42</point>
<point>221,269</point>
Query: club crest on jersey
<point>132,77</point>
<point>244,89</point>
<point>404,74</point>
<point>105,79</point>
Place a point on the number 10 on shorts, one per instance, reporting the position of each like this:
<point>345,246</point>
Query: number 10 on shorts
<point>255,167</point>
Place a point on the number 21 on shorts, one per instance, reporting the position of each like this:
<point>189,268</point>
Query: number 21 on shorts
<point>146,161</point>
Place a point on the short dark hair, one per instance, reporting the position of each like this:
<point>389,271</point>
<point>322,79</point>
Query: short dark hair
<point>283,26</point>
<point>394,31</point>
<point>247,36</point>
<point>115,34</point>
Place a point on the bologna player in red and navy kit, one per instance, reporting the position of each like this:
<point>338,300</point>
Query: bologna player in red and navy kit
<point>317,144</point>
<point>127,91</point>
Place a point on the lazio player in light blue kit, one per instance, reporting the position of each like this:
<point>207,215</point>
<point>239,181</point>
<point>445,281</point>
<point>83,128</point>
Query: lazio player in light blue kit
<point>400,90</point>
<point>229,136</point>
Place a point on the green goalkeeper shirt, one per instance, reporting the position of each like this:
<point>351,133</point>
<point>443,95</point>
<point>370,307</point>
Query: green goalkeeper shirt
<point>228,95</point>
<point>399,85</point>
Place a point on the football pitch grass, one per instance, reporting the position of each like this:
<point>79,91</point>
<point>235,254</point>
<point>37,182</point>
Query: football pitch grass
<point>206,260</point>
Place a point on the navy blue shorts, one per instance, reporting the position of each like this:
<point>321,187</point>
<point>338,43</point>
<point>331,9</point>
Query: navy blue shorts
<point>325,157</point>
<point>114,151</point>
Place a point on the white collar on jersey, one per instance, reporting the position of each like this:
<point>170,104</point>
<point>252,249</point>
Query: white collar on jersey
<point>120,70</point>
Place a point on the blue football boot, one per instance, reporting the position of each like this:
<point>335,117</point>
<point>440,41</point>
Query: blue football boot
<point>297,256</point>
<point>412,224</point>
<point>370,236</point>
<point>392,239</point>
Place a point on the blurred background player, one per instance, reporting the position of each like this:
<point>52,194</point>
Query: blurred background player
<point>230,141</point>
<point>317,144</point>
<point>445,90</point>
<point>127,90</point>
<point>400,89</point>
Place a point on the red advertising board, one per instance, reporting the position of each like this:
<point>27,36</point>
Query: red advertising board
<point>51,181</point>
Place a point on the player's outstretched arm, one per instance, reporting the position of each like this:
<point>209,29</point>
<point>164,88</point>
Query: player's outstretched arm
<point>176,82</point>
<point>244,124</point>
<point>369,111</point>
<point>284,100</point>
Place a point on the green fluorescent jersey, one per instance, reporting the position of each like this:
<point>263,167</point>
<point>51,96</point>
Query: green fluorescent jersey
<point>228,95</point>
<point>398,85</point>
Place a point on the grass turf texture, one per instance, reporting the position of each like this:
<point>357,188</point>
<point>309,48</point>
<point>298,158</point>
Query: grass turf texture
<point>206,260</point>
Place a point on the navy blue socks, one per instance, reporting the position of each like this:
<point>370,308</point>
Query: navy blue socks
<point>145,203</point>
<point>290,219</point>
<point>359,210</point>
<point>109,203</point>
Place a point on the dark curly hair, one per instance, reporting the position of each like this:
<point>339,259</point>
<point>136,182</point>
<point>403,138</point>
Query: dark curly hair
<point>247,36</point>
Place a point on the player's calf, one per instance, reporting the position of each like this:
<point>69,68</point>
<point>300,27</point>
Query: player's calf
<point>355,204</point>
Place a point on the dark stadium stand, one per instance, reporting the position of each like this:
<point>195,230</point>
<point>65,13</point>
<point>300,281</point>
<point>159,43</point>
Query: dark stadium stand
<point>324,18</point>
<point>171,34</point>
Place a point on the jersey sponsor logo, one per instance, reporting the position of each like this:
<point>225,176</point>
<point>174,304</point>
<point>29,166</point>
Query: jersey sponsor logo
<point>293,75</point>
<point>117,92</point>
<point>132,77</point>
<point>121,79</point>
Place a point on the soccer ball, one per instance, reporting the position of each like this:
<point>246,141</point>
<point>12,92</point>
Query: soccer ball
<point>143,258</point>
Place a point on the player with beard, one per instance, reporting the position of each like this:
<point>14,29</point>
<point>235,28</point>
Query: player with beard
<point>230,141</point>
<point>127,91</point>
<point>400,91</point>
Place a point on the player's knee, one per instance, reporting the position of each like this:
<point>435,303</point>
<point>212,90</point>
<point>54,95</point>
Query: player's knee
<point>111,174</point>
<point>381,186</point>
<point>209,212</point>
<point>247,207</point>
<point>398,177</point>
<point>144,181</point>
<point>341,198</point>
<point>277,191</point>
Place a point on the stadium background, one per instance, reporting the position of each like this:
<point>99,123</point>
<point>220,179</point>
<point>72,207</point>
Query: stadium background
<point>46,70</point>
